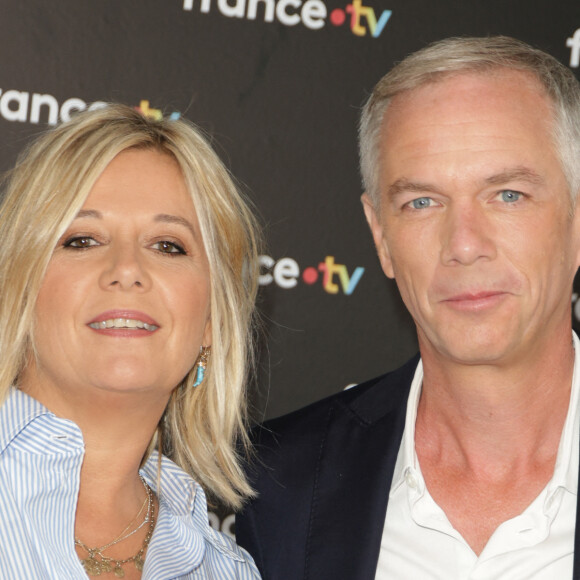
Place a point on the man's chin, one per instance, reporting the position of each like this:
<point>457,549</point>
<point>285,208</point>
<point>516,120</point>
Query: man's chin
<point>469,350</point>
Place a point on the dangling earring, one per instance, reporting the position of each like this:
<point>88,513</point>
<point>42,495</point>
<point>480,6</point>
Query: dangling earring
<point>204,352</point>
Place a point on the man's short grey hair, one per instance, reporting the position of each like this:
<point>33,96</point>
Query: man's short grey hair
<point>479,55</point>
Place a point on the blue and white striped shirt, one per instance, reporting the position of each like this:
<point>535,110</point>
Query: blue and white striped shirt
<point>40,464</point>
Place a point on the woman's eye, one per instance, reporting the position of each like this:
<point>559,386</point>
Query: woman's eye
<point>80,242</point>
<point>421,203</point>
<point>510,196</point>
<point>166,247</point>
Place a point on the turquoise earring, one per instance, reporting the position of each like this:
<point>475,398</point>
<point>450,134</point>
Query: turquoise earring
<point>204,352</point>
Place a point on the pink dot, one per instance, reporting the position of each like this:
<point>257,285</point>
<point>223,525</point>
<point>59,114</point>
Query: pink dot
<point>310,275</point>
<point>337,17</point>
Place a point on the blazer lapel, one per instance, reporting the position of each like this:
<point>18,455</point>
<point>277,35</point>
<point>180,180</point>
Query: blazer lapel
<point>353,479</point>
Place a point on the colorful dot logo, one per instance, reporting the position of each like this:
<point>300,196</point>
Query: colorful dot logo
<point>156,114</point>
<point>310,13</point>
<point>337,17</point>
<point>285,273</point>
<point>358,15</point>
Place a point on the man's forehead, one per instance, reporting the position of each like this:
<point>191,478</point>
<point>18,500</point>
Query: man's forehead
<point>469,98</point>
<point>469,80</point>
<point>494,126</point>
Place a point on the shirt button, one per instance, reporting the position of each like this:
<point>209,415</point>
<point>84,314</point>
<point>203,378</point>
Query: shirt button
<point>411,479</point>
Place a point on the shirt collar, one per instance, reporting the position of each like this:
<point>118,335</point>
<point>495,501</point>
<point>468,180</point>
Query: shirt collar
<point>407,462</point>
<point>181,498</point>
<point>180,495</point>
<point>17,412</point>
<point>565,470</point>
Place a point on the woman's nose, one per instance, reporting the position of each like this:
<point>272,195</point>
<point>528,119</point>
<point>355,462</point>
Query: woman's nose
<point>125,269</point>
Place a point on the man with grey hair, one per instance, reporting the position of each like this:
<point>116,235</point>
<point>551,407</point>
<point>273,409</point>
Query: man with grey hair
<point>464,462</point>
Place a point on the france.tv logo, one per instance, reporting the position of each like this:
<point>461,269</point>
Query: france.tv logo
<point>360,14</point>
<point>156,114</point>
<point>286,273</point>
<point>312,14</point>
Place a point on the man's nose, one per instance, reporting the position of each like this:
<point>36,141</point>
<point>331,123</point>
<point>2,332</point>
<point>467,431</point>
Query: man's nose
<point>467,235</point>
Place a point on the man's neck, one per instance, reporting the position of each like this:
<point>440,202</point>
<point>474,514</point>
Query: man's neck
<point>487,436</point>
<point>498,409</point>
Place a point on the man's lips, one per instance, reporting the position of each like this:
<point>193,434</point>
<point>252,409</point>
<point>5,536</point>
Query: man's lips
<point>475,300</point>
<point>131,321</point>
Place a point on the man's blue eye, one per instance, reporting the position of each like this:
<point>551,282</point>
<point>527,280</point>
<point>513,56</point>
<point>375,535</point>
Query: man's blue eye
<point>510,196</point>
<point>421,202</point>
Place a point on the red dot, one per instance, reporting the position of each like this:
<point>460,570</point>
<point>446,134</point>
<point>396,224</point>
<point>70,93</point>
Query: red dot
<point>337,17</point>
<point>310,275</point>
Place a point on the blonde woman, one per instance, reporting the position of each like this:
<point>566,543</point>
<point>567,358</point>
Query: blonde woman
<point>127,284</point>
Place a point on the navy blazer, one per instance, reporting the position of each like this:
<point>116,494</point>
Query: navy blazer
<point>323,476</point>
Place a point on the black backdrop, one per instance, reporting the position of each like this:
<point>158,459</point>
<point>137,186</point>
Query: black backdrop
<point>282,103</point>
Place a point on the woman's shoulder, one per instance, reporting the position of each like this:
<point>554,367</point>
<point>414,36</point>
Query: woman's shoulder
<point>225,555</point>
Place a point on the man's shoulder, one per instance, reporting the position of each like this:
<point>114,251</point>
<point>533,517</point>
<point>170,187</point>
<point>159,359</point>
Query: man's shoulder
<point>367,402</point>
<point>325,446</point>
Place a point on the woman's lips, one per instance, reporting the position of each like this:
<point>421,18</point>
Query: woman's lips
<point>124,323</point>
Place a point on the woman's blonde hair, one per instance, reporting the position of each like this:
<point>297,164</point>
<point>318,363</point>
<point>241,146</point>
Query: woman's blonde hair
<point>202,427</point>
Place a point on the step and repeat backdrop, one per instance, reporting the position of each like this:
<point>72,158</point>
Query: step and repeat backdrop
<point>279,85</point>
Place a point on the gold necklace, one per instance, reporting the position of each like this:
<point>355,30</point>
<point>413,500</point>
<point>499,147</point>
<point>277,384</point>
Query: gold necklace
<point>97,563</point>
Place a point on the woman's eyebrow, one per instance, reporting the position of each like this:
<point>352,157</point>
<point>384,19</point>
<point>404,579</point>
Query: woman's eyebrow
<point>161,217</point>
<point>92,213</point>
<point>175,219</point>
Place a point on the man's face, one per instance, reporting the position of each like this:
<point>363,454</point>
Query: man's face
<point>475,222</point>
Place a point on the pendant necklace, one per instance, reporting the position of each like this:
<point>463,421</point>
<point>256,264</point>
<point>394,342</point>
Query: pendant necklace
<point>96,563</point>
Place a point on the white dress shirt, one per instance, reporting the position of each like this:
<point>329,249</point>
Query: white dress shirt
<point>420,543</point>
<point>40,464</point>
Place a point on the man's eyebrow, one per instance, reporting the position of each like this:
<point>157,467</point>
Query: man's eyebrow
<point>520,173</point>
<point>175,219</point>
<point>404,185</point>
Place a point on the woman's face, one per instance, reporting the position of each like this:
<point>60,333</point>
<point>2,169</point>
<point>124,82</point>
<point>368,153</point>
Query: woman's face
<point>125,303</point>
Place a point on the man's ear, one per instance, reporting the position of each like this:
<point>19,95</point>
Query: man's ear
<point>377,231</point>
<point>576,227</point>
